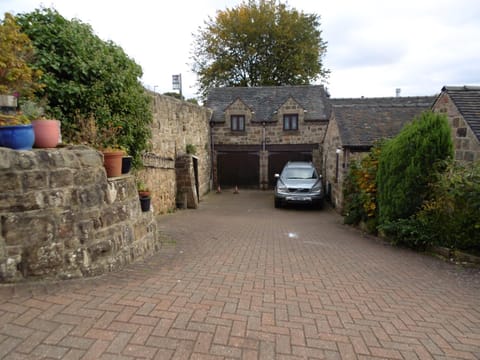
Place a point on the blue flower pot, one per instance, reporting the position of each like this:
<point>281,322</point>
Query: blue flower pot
<point>17,137</point>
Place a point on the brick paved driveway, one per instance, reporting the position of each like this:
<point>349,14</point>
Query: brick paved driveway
<point>245,280</point>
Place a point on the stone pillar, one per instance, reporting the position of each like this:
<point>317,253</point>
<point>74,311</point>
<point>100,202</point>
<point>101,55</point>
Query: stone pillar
<point>186,186</point>
<point>263,169</point>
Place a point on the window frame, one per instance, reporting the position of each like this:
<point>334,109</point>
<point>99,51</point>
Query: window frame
<point>288,119</point>
<point>235,123</point>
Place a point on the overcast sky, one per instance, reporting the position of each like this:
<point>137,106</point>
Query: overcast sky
<point>374,46</point>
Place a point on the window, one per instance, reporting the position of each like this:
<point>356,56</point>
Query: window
<point>237,122</point>
<point>290,122</point>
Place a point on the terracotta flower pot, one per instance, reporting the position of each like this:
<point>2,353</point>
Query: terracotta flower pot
<point>112,160</point>
<point>47,133</point>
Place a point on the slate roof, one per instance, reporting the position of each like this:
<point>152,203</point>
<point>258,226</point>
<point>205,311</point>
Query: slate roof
<point>264,101</point>
<point>467,101</point>
<point>362,121</point>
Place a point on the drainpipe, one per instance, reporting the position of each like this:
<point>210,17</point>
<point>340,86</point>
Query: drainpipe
<point>212,150</point>
<point>264,139</point>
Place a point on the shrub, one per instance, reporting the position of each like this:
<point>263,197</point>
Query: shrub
<point>407,164</point>
<point>449,217</point>
<point>86,77</point>
<point>360,190</point>
<point>452,215</point>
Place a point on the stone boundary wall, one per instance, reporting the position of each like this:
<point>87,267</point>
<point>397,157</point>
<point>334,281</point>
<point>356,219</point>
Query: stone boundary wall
<point>176,124</point>
<point>60,217</point>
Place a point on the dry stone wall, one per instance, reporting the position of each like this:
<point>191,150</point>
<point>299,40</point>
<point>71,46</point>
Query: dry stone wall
<point>176,124</point>
<point>60,217</point>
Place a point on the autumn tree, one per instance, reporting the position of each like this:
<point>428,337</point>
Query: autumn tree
<point>259,43</point>
<point>16,53</point>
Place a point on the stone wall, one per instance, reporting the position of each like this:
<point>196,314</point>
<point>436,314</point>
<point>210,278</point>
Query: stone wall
<point>466,144</point>
<point>61,217</point>
<point>176,124</point>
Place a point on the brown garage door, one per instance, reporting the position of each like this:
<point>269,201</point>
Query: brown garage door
<point>277,160</point>
<point>238,169</point>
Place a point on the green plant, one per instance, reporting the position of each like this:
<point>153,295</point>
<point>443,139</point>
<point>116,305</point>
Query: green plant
<point>88,77</point>
<point>407,163</point>
<point>360,190</point>
<point>451,215</point>
<point>143,190</point>
<point>409,232</point>
<point>32,110</point>
<point>191,149</point>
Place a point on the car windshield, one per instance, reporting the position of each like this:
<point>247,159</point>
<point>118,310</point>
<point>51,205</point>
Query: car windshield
<point>300,173</point>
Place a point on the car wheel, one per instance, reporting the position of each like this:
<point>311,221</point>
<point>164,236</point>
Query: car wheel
<point>278,203</point>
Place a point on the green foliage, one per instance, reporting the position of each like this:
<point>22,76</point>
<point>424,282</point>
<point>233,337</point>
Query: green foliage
<point>86,77</point>
<point>452,214</point>
<point>32,110</point>
<point>176,95</point>
<point>191,149</point>
<point>259,43</point>
<point>360,190</point>
<point>409,232</point>
<point>407,164</point>
<point>16,53</point>
<point>450,217</point>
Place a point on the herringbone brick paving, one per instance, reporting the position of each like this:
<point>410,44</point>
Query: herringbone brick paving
<point>245,280</point>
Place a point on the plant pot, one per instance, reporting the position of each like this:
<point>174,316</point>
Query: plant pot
<point>112,160</point>
<point>126,164</point>
<point>47,133</point>
<point>17,137</point>
<point>145,203</point>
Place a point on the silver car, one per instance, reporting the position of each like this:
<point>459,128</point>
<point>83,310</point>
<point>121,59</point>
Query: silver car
<point>299,183</point>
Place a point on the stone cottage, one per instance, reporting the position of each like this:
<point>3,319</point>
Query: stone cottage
<point>461,104</point>
<point>256,130</point>
<point>354,127</point>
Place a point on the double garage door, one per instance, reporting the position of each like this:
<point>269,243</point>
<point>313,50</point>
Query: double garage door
<point>242,168</point>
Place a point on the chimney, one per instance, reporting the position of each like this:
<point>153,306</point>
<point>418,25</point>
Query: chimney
<point>397,92</point>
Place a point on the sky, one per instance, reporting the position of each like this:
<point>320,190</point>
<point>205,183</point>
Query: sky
<point>373,46</point>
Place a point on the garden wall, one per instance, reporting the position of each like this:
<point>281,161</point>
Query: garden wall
<point>60,217</point>
<point>176,124</point>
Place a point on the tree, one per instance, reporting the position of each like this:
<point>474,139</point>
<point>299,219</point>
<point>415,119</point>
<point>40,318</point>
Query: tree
<point>16,53</point>
<point>260,43</point>
<point>407,165</point>
<point>86,78</point>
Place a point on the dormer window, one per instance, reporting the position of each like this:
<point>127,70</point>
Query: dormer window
<point>237,122</point>
<point>290,122</point>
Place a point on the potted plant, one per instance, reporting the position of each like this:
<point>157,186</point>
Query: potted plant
<point>105,139</point>
<point>144,196</point>
<point>112,160</point>
<point>16,131</point>
<point>47,130</point>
